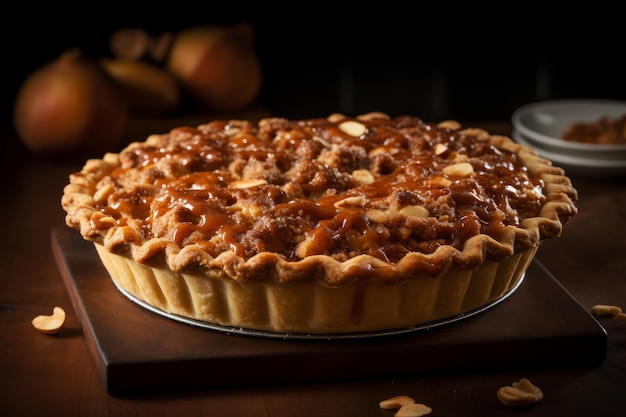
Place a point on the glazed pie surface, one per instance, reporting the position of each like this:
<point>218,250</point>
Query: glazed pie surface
<point>337,202</point>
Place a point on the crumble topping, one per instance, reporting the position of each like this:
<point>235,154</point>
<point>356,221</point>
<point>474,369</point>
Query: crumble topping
<point>336,186</point>
<point>603,131</point>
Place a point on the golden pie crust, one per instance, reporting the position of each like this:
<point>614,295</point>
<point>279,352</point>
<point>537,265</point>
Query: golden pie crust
<point>319,226</point>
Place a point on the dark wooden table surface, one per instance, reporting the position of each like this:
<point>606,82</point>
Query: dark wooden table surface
<point>56,375</point>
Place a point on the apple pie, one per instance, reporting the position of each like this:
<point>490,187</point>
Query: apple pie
<point>327,225</point>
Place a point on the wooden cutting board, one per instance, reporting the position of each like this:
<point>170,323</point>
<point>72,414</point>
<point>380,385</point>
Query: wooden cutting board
<point>137,350</point>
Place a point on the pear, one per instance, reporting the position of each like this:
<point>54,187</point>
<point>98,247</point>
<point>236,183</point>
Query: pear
<point>70,108</point>
<point>217,66</point>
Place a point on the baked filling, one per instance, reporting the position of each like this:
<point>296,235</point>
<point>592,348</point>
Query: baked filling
<point>224,193</point>
<point>603,131</point>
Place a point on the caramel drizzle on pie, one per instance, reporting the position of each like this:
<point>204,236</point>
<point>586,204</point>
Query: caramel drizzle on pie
<point>336,186</point>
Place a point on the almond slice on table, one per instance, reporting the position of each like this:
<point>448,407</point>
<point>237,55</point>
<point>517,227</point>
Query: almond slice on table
<point>520,393</point>
<point>396,402</point>
<point>605,310</point>
<point>50,324</point>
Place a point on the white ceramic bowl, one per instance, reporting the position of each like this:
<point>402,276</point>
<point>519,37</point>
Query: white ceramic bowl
<point>542,124</point>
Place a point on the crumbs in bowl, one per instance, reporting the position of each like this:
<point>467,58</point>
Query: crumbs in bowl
<point>603,131</point>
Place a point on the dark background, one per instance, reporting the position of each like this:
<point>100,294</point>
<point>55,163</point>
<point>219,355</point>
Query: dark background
<point>440,62</point>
